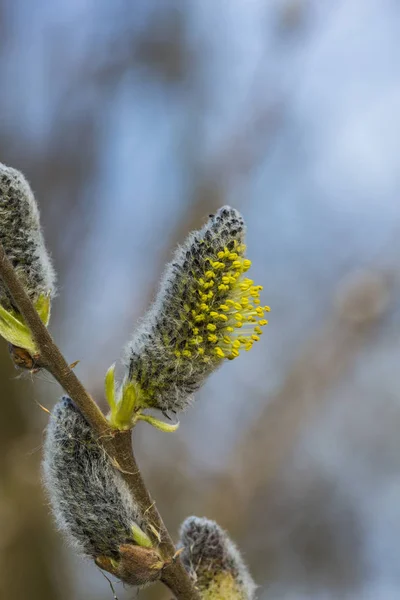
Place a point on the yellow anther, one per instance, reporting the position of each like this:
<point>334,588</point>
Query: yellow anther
<point>225,279</point>
<point>233,256</point>
<point>258,330</point>
<point>239,317</point>
<point>239,324</point>
<point>248,346</point>
<point>214,314</point>
<point>222,317</point>
<point>236,344</point>
<point>236,264</point>
<point>230,329</point>
<point>221,254</point>
<point>199,318</point>
<point>219,352</point>
<point>263,322</point>
<point>211,327</point>
<point>201,282</point>
<point>246,264</point>
<point>267,309</point>
<point>200,350</point>
<point>260,311</point>
<point>224,307</point>
<point>204,307</point>
<point>227,339</point>
<point>255,338</point>
<point>195,330</point>
<point>212,338</point>
<point>222,287</point>
<point>186,353</point>
<point>210,274</point>
<point>230,302</point>
<point>177,353</point>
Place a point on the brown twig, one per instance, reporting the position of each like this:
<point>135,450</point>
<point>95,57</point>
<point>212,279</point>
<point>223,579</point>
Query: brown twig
<point>118,444</point>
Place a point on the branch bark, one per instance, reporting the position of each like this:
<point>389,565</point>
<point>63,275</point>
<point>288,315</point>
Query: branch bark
<point>118,444</point>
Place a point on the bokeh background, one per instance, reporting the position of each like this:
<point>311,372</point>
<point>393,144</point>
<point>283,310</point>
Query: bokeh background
<point>133,121</point>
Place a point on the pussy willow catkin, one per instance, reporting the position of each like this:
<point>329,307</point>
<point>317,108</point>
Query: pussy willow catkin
<point>207,310</point>
<point>22,238</point>
<point>214,562</point>
<point>90,500</point>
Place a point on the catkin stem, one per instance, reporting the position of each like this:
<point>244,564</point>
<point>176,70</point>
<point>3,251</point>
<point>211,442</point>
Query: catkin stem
<point>117,444</point>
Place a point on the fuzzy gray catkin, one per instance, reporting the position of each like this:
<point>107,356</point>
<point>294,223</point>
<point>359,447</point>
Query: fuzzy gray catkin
<point>205,311</point>
<point>214,562</point>
<point>22,238</point>
<point>90,500</point>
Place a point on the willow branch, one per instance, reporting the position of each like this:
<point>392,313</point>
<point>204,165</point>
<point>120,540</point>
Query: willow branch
<point>118,444</point>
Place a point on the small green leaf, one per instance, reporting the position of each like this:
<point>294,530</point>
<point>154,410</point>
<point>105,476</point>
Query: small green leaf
<point>15,331</point>
<point>43,305</point>
<point>140,537</point>
<point>122,415</point>
<point>109,385</point>
<point>169,428</point>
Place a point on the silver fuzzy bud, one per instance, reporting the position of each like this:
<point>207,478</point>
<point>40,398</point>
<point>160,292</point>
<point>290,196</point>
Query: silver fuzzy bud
<point>22,238</point>
<point>214,562</point>
<point>90,500</point>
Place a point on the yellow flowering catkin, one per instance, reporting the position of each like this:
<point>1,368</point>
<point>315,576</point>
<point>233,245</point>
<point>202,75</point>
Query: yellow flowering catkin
<point>207,310</point>
<point>214,562</point>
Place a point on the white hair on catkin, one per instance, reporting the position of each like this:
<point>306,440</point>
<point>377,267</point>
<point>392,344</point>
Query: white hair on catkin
<point>208,553</point>
<point>89,498</point>
<point>22,238</point>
